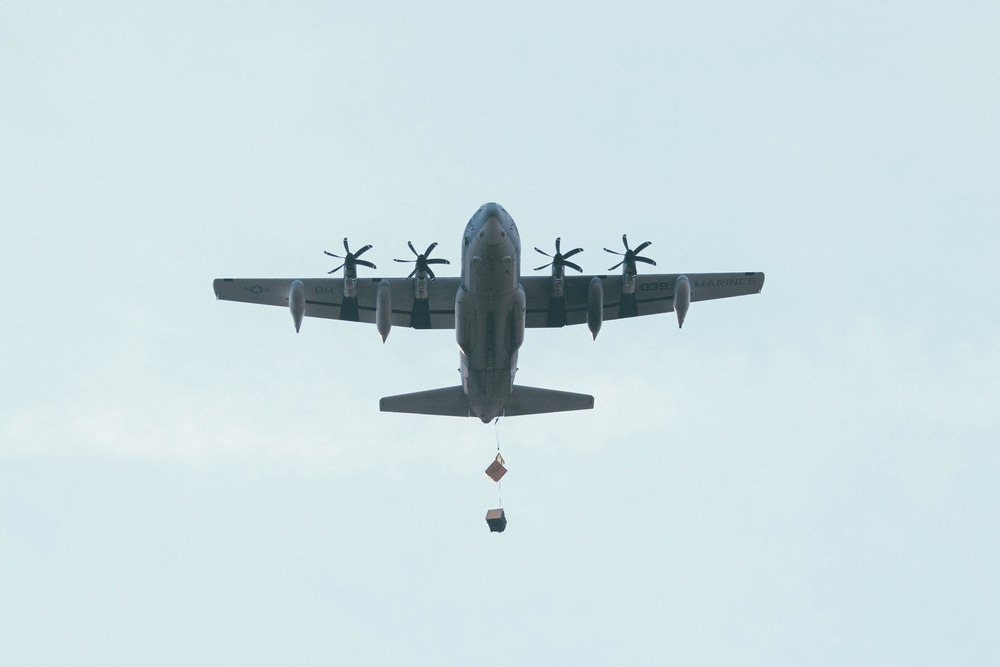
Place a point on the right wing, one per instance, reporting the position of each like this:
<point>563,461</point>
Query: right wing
<point>325,298</point>
<point>654,293</point>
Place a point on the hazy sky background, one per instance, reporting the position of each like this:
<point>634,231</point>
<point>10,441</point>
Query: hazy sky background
<point>807,476</point>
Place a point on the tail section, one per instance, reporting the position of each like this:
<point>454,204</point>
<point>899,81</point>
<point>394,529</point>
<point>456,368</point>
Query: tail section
<point>533,401</point>
<point>452,402</point>
<point>449,402</point>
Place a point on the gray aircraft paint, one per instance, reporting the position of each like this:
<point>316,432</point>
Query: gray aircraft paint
<point>489,310</point>
<point>490,305</point>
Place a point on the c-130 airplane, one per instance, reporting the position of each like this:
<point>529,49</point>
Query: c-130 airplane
<point>489,306</point>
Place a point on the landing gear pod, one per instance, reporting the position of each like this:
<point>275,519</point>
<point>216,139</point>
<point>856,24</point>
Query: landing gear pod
<point>595,306</point>
<point>297,302</point>
<point>518,310</point>
<point>383,310</point>
<point>682,298</point>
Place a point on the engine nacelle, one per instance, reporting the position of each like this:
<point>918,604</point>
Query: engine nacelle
<point>682,298</point>
<point>383,310</point>
<point>297,302</point>
<point>595,306</point>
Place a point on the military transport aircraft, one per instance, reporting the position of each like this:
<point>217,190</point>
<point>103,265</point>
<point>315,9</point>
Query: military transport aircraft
<point>489,306</point>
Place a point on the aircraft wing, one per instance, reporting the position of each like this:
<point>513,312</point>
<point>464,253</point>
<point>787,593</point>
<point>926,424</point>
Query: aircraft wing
<point>325,298</point>
<point>654,293</point>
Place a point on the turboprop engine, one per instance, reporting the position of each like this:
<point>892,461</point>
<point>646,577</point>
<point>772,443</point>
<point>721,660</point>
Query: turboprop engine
<point>297,302</point>
<point>682,298</point>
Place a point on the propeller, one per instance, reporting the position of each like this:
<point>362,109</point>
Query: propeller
<point>351,260</point>
<point>631,256</point>
<point>422,261</point>
<point>559,260</point>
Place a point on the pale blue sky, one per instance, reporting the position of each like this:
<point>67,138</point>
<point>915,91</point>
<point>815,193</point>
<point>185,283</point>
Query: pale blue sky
<point>807,476</point>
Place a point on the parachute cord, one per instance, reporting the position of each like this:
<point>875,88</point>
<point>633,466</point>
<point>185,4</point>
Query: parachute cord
<point>496,430</point>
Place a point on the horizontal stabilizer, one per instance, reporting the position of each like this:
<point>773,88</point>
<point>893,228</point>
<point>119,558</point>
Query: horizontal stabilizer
<point>533,401</point>
<point>449,402</point>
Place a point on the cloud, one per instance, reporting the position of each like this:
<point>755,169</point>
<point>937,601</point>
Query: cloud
<point>832,394</point>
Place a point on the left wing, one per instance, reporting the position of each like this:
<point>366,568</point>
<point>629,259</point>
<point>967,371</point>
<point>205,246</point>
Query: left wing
<point>325,298</point>
<point>654,293</point>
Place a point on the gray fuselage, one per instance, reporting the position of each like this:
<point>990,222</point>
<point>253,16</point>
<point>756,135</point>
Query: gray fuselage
<point>489,310</point>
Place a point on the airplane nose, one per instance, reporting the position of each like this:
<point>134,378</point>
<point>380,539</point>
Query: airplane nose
<point>492,231</point>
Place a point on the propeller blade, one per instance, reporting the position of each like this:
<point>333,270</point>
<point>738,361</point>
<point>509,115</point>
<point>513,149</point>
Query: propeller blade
<point>346,247</point>
<point>625,241</point>
<point>430,273</point>
<point>573,266</point>
<point>405,261</point>
<point>645,260</point>
<point>438,260</point>
<point>363,251</point>
<point>616,265</point>
<point>332,255</point>
<point>614,252</point>
<point>336,269</point>
<point>539,268</point>
<point>643,246</point>
<point>537,249</point>
<point>558,241</point>
<point>365,263</point>
<point>572,252</point>
<point>412,273</point>
<point>412,249</point>
<point>430,249</point>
